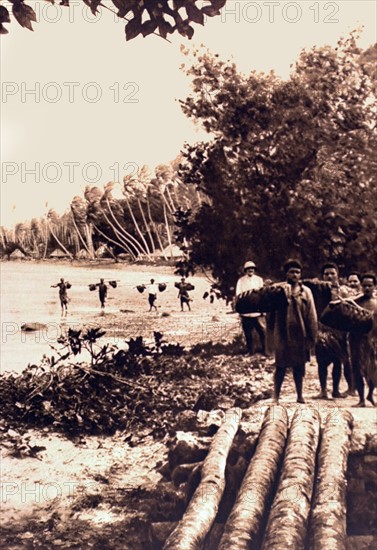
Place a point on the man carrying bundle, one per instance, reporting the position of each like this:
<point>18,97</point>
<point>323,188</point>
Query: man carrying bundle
<point>152,295</point>
<point>331,347</point>
<point>183,292</point>
<point>251,321</point>
<point>102,293</point>
<point>63,295</point>
<point>364,346</point>
<point>295,330</point>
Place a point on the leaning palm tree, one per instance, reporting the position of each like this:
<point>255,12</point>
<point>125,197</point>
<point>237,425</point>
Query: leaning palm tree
<point>53,220</point>
<point>138,187</point>
<point>39,236</point>
<point>98,214</point>
<point>82,224</point>
<point>130,192</point>
<point>23,235</point>
<point>115,216</point>
<point>158,188</point>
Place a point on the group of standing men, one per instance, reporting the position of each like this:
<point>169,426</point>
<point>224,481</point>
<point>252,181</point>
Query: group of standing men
<point>296,331</point>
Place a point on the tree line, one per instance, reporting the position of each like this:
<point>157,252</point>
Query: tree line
<point>140,224</point>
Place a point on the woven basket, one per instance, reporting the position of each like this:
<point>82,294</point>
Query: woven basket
<point>92,287</point>
<point>68,285</point>
<point>162,287</point>
<point>114,284</point>
<point>348,317</point>
<point>262,300</point>
<point>185,286</point>
<point>140,288</point>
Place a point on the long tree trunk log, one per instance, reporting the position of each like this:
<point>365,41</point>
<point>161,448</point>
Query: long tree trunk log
<point>328,519</point>
<point>243,528</point>
<point>202,509</point>
<point>287,523</point>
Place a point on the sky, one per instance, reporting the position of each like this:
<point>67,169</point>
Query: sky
<point>81,106</point>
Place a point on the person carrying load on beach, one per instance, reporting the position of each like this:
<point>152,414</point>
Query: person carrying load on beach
<point>102,290</point>
<point>183,293</point>
<point>63,295</point>
<point>152,295</point>
<point>102,293</point>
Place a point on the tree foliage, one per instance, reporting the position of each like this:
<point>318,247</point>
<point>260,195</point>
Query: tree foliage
<point>290,169</point>
<point>143,17</point>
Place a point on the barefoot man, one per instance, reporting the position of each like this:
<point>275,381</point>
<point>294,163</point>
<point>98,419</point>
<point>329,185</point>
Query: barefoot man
<point>295,330</point>
<point>102,294</point>
<point>63,296</point>
<point>364,346</point>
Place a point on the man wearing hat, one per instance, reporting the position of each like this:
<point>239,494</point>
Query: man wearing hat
<point>295,330</point>
<point>251,321</point>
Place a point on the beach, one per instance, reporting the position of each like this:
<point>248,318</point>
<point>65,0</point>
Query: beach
<point>26,297</point>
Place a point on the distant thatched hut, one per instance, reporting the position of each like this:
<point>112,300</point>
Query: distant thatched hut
<point>58,253</point>
<point>124,257</point>
<point>17,255</point>
<point>172,251</point>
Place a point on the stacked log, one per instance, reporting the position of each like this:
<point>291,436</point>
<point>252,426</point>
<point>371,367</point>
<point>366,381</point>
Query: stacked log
<point>328,520</point>
<point>244,525</point>
<point>288,520</point>
<point>199,517</point>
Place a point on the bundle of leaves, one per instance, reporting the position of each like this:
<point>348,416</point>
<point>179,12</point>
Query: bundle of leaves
<point>141,389</point>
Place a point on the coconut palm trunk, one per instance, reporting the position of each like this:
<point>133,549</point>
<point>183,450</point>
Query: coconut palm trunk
<point>156,231</point>
<point>167,228</point>
<point>147,227</point>
<point>117,243</point>
<point>78,232</point>
<point>123,232</point>
<point>60,243</point>
<point>137,227</point>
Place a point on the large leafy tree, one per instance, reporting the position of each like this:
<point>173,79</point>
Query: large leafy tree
<point>142,17</point>
<point>290,167</point>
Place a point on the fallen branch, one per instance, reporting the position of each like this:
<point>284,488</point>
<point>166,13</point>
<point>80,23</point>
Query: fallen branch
<point>89,370</point>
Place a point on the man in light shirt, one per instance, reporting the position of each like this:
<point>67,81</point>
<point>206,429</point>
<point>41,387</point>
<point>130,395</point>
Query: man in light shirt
<point>251,321</point>
<point>152,295</point>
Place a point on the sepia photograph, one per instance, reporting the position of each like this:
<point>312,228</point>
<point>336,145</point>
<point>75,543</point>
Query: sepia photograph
<point>188,274</point>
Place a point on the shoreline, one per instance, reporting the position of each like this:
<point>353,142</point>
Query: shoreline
<point>28,298</point>
<point>94,262</point>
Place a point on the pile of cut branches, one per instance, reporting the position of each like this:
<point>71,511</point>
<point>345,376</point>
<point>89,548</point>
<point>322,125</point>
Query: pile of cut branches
<point>140,390</point>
